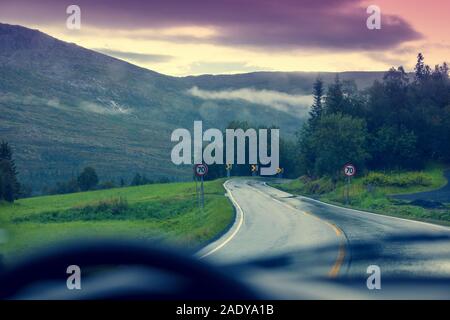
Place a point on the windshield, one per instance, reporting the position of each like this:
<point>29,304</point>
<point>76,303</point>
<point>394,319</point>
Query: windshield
<point>153,149</point>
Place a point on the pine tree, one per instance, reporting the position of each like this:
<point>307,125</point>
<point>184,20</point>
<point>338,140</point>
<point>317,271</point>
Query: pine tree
<point>317,108</point>
<point>334,101</point>
<point>9,186</point>
<point>422,71</point>
<point>6,154</point>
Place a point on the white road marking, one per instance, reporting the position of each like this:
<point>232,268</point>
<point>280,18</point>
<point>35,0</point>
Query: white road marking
<point>239,218</point>
<point>436,226</point>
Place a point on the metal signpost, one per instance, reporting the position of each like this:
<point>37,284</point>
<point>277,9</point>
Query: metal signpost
<point>349,171</point>
<point>280,172</point>
<point>228,167</point>
<point>200,171</point>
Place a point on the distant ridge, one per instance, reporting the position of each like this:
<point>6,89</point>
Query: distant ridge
<point>63,107</point>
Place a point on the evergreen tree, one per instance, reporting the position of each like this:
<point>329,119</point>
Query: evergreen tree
<point>9,185</point>
<point>137,180</point>
<point>317,108</point>
<point>88,179</point>
<point>421,70</point>
<point>334,101</point>
<point>338,139</point>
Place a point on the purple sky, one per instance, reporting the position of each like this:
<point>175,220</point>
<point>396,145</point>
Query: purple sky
<point>337,24</point>
<point>182,37</point>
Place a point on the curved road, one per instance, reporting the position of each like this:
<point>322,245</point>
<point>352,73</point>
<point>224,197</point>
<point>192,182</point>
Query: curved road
<point>440,195</point>
<point>305,237</point>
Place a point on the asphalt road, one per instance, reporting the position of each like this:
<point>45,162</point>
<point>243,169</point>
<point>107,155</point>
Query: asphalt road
<point>296,237</point>
<point>440,195</point>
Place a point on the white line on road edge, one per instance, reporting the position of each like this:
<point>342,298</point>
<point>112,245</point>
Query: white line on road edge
<point>366,212</point>
<point>233,230</point>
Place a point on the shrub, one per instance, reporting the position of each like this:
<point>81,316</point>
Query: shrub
<point>113,206</point>
<point>397,180</point>
<point>377,179</point>
<point>319,186</point>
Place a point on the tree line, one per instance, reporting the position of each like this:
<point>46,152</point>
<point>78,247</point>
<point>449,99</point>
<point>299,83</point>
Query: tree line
<point>11,189</point>
<point>88,180</point>
<point>400,122</point>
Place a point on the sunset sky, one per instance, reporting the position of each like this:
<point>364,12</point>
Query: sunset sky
<point>183,37</point>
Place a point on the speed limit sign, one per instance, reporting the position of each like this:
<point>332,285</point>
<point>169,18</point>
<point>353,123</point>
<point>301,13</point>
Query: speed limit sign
<point>349,170</point>
<point>200,169</point>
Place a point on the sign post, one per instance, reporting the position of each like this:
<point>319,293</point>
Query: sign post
<point>349,171</point>
<point>197,195</point>
<point>200,171</point>
<point>280,172</point>
<point>228,167</point>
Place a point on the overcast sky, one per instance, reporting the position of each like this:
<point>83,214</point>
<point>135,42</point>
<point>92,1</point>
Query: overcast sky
<point>182,37</point>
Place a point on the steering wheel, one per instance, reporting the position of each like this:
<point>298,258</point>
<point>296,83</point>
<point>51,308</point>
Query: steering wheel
<point>137,270</point>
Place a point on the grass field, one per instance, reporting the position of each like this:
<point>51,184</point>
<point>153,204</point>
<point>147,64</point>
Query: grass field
<point>160,212</point>
<point>373,193</point>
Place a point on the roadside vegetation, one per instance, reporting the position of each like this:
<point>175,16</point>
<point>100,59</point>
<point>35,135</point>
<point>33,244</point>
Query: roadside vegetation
<point>162,213</point>
<point>375,192</point>
<point>396,133</point>
<point>399,123</point>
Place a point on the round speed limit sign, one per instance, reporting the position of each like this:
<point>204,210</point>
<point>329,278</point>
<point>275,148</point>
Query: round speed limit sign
<point>200,169</point>
<point>349,170</point>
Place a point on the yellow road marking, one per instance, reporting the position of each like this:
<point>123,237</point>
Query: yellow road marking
<point>341,251</point>
<point>339,261</point>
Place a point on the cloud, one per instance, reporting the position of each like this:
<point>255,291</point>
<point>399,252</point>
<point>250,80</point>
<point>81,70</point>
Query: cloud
<point>32,100</point>
<point>221,67</point>
<point>138,57</point>
<point>278,100</point>
<point>392,59</point>
<point>333,24</point>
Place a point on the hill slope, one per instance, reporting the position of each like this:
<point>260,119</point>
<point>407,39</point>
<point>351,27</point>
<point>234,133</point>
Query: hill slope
<point>63,107</point>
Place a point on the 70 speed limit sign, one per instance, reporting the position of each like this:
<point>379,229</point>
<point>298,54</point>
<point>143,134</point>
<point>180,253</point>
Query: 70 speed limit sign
<point>349,170</point>
<point>200,169</point>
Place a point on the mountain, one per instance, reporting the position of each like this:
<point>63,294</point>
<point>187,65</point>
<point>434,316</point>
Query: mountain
<point>287,82</point>
<point>64,107</point>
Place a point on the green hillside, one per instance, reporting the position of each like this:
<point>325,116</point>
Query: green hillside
<point>160,212</point>
<point>64,107</point>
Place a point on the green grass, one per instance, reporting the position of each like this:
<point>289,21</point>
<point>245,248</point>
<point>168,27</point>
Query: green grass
<point>372,193</point>
<point>159,212</point>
